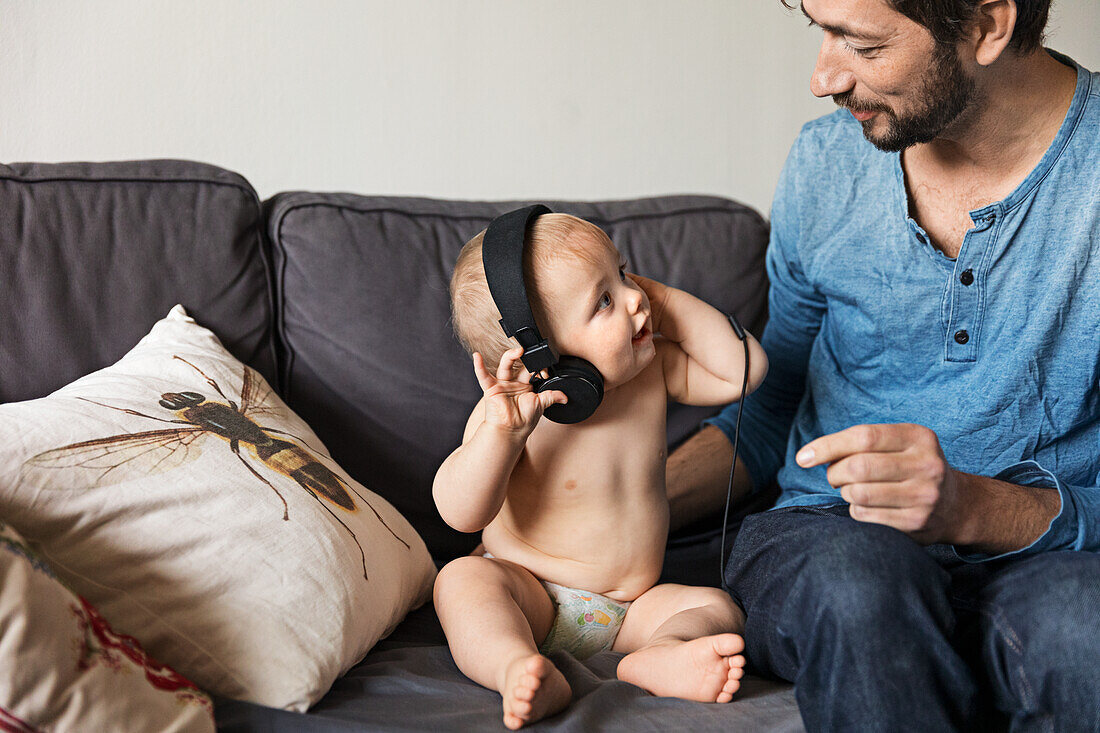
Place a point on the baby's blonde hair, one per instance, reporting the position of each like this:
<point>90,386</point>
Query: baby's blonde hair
<point>475,316</point>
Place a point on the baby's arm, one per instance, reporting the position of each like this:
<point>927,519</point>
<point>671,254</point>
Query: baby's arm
<point>470,487</point>
<point>702,358</point>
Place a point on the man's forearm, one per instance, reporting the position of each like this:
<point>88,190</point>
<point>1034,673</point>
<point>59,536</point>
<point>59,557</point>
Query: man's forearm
<point>697,475</point>
<point>1004,517</point>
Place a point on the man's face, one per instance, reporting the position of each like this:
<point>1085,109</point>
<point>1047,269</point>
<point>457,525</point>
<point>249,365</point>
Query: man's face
<point>888,71</point>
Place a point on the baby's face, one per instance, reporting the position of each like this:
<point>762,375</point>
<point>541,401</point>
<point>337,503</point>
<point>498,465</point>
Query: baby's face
<point>597,313</point>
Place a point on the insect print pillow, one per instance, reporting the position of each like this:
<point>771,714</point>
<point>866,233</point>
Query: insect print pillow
<point>66,670</point>
<point>178,494</point>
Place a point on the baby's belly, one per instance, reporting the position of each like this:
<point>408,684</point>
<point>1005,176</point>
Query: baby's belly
<point>616,551</point>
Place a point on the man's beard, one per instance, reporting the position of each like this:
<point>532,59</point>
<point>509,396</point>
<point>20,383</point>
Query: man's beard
<point>943,95</point>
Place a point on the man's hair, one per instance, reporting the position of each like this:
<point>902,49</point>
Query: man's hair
<point>474,315</point>
<point>948,20</point>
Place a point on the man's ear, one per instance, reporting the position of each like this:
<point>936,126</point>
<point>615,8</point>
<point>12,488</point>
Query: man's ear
<point>991,29</point>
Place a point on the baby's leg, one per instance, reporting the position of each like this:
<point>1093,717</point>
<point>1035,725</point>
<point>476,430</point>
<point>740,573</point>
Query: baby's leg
<point>492,612</point>
<point>683,641</point>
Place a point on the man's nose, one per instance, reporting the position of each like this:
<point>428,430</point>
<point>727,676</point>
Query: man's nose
<point>831,75</point>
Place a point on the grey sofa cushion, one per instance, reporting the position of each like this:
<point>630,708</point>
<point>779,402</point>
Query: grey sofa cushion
<point>92,254</point>
<point>367,355</point>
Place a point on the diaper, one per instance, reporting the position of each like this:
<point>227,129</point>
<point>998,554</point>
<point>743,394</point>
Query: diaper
<point>584,623</point>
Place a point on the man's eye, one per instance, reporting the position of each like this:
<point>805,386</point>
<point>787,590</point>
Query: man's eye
<point>858,51</point>
<point>605,302</point>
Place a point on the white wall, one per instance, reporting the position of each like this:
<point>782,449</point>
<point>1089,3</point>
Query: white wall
<point>448,98</point>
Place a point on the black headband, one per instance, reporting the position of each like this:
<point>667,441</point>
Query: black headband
<point>502,255</point>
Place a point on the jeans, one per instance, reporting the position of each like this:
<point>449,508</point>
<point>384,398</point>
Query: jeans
<point>879,633</point>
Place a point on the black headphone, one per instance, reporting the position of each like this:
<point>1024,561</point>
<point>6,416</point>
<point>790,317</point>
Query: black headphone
<point>502,254</point>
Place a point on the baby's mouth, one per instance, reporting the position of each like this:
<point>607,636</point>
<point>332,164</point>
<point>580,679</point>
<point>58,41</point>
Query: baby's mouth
<point>642,333</point>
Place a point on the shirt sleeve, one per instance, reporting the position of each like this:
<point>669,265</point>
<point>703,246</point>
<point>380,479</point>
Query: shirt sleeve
<point>1077,526</point>
<point>795,310</point>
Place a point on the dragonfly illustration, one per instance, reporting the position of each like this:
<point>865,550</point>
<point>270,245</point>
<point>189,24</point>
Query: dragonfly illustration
<point>117,457</point>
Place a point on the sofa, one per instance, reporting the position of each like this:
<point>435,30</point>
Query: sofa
<point>340,302</point>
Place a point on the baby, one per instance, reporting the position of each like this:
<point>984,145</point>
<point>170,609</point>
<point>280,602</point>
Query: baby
<point>575,516</point>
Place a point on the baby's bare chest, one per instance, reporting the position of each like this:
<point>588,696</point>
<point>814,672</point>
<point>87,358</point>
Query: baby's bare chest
<point>586,504</point>
<point>619,452</point>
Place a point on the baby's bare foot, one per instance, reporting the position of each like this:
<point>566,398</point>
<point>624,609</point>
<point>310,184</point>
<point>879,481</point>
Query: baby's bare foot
<point>533,689</point>
<point>707,669</point>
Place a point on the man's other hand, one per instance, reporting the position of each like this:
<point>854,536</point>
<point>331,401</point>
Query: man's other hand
<point>894,475</point>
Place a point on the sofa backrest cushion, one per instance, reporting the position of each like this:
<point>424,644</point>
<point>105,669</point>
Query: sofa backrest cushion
<point>367,353</point>
<point>94,253</point>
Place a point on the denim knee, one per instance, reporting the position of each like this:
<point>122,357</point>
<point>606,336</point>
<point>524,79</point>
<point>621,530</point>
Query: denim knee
<point>1040,642</point>
<point>863,577</point>
<point>862,625</point>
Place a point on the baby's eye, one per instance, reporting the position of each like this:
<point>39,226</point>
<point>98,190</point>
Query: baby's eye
<point>622,273</point>
<point>605,302</point>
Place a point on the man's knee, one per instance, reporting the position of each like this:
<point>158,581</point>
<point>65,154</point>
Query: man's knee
<point>1038,630</point>
<point>865,575</point>
<point>851,598</point>
<point>813,561</point>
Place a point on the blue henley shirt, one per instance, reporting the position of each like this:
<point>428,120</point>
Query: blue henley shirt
<point>997,350</point>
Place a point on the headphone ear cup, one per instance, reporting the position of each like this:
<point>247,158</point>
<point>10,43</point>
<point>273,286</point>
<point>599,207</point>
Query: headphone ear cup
<point>582,384</point>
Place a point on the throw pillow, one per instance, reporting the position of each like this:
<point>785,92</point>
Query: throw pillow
<point>182,497</point>
<point>66,670</point>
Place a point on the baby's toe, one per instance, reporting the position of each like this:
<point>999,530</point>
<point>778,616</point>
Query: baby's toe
<point>539,667</point>
<point>728,645</point>
<point>728,689</point>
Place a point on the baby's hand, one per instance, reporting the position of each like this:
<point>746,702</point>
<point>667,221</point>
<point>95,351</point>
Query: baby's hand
<point>657,293</point>
<point>510,402</point>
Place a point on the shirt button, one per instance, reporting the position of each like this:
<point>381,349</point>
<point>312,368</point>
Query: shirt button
<point>961,337</point>
<point>967,277</point>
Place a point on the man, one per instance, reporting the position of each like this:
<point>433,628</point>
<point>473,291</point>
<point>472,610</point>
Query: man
<point>932,411</point>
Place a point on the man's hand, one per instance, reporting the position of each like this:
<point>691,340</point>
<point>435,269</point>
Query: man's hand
<point>895,475</point>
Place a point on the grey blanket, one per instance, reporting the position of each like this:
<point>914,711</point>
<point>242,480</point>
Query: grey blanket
<point>410,683</point>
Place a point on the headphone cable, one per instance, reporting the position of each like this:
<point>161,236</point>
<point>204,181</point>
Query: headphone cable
<point>736,436</point>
